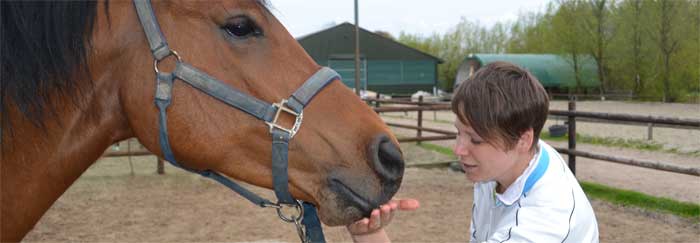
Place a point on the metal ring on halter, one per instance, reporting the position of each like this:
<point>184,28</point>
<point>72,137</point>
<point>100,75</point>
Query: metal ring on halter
<point>156,61</point>
<point>292,219</point>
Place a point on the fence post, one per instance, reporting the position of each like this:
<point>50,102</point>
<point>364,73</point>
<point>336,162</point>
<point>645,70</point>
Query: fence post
<point>128,149</point>
<point>376,103</point>
<point>650,132</point>
<point>161,169</point>
<point>572,134</point>
<point>420,119</point>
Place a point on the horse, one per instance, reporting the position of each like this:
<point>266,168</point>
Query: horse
<point>77,77</point>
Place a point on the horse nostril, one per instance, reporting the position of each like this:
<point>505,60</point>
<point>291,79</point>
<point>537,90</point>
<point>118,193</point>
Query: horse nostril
<point>387,159</point>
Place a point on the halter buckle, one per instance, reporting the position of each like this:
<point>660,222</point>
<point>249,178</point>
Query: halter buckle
<point>281,106</point>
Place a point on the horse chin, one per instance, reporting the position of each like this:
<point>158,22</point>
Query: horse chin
<point>343,204</point>
<point>337,213</point>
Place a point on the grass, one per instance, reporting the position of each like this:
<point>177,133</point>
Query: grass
<point>618,196</point>
<point>437,148</point>
<point>619,142</point>
<point>641,200</point>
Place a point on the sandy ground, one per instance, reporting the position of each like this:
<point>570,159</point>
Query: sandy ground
<point>108,204</point>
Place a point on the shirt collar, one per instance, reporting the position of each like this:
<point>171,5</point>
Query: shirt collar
<point>522,185</point>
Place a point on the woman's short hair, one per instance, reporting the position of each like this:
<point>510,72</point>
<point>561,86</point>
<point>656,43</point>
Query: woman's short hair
<point>500,102</point>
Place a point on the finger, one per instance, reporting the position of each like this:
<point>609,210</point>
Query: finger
<point>375,221</point>
<point>408,204</point>
<point>358,225</point>
<point>386,214</point>
<point>394,204</point>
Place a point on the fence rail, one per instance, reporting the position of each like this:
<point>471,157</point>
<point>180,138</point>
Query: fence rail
<point>140,152</point>
<point>689,123</point>
<point>633,162</point>
<point>572,116</point>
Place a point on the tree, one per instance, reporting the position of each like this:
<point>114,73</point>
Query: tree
<point>598,26</point>
<point>636,44</point>
<point>454,46</point>
<point>567,26</point>
<point>384,34</point>
<point>666,14</point>
<point>532,33</point>
<point>631,49</point>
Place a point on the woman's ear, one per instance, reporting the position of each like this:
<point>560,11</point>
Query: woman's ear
<point>525,142</point>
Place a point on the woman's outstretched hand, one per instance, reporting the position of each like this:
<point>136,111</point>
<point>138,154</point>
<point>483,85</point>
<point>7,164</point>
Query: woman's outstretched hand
<point>371,229</point>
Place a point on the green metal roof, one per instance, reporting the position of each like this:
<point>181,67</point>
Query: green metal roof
<point>338,42</point>
<point>552,70</point>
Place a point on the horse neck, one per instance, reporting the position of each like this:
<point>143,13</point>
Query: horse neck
<point>38,165</point>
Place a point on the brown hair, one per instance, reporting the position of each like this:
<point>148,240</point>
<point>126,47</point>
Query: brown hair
<point>500,102</point>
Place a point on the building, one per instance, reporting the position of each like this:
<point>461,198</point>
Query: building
<point>555,72</point>
<point>387,66</point>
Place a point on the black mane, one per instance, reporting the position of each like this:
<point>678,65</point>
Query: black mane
<point>44,51</point>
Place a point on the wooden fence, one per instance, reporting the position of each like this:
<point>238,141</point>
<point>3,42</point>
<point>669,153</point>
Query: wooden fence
<point>140,151</point>
<point>571,114</point>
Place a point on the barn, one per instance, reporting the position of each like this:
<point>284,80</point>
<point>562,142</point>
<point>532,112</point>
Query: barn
<point>555,72</point>
<point>387,66</point>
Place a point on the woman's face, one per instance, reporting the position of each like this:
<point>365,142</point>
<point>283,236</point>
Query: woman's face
<point>483,161</point>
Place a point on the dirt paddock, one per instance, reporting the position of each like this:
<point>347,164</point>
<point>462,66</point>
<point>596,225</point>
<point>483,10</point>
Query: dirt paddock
<point>107,204</point>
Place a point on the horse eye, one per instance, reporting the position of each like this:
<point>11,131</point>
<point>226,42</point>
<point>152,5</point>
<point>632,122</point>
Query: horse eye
<point>242,27</point>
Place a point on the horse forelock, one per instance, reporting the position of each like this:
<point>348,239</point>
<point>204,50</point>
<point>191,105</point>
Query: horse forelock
<point>44,53</point>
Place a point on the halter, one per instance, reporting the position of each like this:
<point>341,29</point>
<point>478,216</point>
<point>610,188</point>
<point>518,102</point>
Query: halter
<point>305,219</point>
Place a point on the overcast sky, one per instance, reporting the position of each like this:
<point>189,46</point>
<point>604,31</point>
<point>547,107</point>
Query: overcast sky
<point>412,16</point>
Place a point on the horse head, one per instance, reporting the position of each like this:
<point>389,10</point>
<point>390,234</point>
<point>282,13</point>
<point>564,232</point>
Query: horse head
<point>343,158</point>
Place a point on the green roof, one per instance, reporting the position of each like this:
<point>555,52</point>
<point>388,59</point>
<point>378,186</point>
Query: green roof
<point>339,42</point>
<point>551,70</point>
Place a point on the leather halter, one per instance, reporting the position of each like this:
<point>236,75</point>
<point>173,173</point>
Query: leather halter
<point>306,222</point>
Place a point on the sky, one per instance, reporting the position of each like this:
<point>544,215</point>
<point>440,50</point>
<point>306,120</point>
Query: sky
<point>421,17</point>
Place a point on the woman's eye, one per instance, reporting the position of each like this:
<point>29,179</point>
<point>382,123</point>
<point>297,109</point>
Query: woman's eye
<point>242,27</point>
<point>476,142</point>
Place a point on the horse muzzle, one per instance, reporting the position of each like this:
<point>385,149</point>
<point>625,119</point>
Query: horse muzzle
<point>356,196</point>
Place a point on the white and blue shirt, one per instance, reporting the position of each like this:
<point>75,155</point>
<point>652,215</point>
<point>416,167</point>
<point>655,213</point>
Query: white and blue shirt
<point>544,204</point>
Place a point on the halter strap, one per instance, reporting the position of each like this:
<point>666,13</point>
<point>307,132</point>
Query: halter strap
<point>209,85</point>
<point>257,108</point>
<point>149,22</point>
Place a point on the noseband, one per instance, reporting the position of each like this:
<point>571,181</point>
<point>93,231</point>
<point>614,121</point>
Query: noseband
<point>306,220</point>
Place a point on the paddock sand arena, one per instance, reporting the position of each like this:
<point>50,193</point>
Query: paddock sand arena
<point>107,204</point>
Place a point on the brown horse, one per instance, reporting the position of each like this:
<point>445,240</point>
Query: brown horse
<point>77,76</point>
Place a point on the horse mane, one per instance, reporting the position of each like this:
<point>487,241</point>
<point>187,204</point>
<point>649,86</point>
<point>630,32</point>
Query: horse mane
<point>44,51</point>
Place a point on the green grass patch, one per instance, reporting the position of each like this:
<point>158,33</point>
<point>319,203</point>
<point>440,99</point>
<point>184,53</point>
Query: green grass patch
<point>437,148</point>
<point>641,200</point>
<point>608,141</point>
<point>618,142</point>
<point>544,135</point>
<point>426,117</point>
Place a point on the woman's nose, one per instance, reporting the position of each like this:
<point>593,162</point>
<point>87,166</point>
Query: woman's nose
<point>459,149</point>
